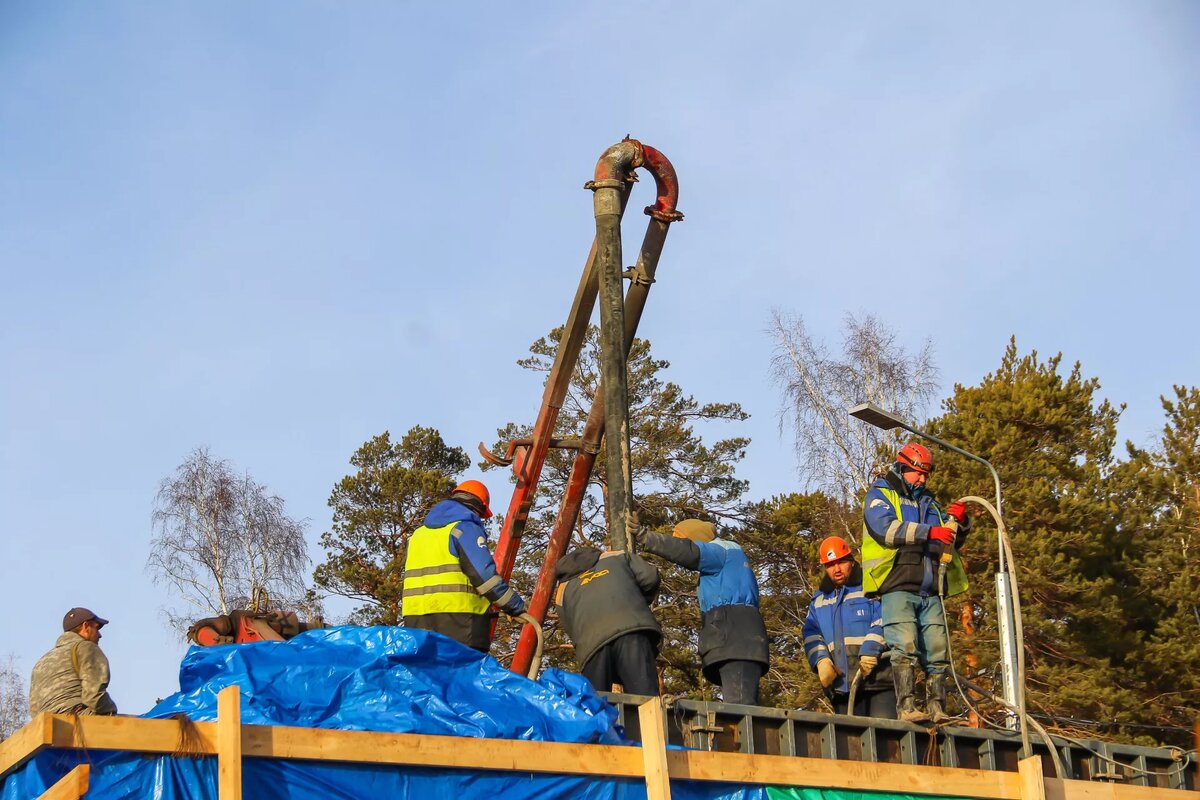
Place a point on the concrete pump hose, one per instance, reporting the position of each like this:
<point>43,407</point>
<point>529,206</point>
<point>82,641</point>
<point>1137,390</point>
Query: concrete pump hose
<point>1018,631</point>
<point>535,666</point>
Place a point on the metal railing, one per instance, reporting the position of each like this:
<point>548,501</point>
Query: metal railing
<point>725,727</point>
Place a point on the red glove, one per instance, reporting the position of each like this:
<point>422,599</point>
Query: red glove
<point>958,511</point>
<point>943,535</point>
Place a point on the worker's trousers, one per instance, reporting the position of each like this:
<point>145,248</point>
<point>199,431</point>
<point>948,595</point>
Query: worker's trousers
<point>627,660</point>
<point>914,628</point>
<point>739,681</point>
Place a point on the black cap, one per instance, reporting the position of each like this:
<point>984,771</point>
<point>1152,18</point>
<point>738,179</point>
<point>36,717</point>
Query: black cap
<point>77,616</point>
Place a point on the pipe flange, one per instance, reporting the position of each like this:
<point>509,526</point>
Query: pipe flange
<point>663,216</point>
<point>611,183</point>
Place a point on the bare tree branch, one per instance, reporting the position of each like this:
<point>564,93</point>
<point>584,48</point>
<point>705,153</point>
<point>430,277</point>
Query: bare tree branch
<point>221,541</point>
<point>835,453</point>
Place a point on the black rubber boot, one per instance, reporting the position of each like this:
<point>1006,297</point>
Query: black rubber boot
<point>904,680</point>
<point>935,698</point>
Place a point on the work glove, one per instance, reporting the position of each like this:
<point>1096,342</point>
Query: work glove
<point>868,664</point>
<point>958,510</point>
<point>945,536</point>
<point>515,607</point>
<point>826,672</point>
<point>633,527</point>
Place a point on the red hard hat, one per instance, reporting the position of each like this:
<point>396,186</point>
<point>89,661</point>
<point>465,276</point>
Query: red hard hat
<point>833,549</point>
<point>916,457</point>
<point>478,490</point>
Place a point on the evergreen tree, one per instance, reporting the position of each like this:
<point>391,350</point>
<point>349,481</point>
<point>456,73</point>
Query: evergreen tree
<point>781,539</point>
<point>1050,439</point>
<point>1159,500</point>
<point>676,475</point>
<point>375,511</point>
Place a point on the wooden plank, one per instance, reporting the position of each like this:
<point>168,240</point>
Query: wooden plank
<point>130,733</point>
<point>426,750</point>
<point>71,786</point>
<point>1033,786</point>
<point>229,744</point>
<point>1099,790</point>
<point>654,749</point>
<point>853,775</point>
<point>163,737</point>
<point>26,743</point>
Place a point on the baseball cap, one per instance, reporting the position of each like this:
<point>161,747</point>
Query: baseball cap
<point>77,616</point>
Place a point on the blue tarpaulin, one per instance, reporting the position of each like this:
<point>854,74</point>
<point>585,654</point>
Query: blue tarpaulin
<point>373,679</point>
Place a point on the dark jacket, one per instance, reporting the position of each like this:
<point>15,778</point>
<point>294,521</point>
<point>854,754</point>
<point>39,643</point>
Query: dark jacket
<point>603,596</point>
<point>731,627</point>
<point>843,624</point>
<point>915,566</point>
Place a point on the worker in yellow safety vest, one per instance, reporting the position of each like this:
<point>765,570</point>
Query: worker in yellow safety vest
<point>450,578</point>
<point>905,536</point>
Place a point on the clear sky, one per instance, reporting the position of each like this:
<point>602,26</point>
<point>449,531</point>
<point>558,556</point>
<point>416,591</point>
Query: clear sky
<point>279,228</point>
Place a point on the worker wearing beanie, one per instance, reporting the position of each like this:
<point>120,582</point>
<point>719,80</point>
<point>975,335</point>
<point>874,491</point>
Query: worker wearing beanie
<point>733,638</point>
<point>450,578</point>
<point>905,534</point>
<point>843,637</point>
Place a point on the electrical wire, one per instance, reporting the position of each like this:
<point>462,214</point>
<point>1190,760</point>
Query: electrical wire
<point>1018,632</point>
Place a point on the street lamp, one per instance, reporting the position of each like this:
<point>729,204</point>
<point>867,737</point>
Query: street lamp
<point>884,420</point>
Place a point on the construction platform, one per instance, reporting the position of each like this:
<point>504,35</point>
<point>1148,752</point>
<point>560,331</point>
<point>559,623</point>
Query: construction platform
<point>653,767</point>
<point>755,730</point>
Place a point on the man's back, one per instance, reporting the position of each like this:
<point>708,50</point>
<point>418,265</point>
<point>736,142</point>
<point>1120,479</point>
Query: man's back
<point>72,676</point>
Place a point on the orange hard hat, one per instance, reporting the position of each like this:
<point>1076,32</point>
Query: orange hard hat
<point>834,549</point>
<point>478,490</point>
<point>916,457</point>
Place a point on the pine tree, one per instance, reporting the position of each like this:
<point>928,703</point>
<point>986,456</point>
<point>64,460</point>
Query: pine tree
<point>1051,441</point>
<point>375,511</point>
<point>676,475</point>
<point>781,539</point>
<point>1159,501</point>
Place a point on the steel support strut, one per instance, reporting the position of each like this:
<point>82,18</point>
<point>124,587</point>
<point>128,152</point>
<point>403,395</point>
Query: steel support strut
<point>662,214</point>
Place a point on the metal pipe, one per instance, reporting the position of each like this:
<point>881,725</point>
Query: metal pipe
<point>662,214</point>
<point>528,462</point>
<point>612,175</point>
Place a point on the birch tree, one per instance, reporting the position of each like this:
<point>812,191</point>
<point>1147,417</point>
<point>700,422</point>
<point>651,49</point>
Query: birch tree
<point>836,453</point>
<point>223,542</point>
<point>14,705</point>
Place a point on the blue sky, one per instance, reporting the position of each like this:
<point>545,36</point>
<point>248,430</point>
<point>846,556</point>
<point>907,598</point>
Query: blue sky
<point>280,228</point>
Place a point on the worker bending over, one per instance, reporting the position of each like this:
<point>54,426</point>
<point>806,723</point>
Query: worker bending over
<point>905,536</point>
<point>73,677</point>
<point>733,638</point>
<point>450,578</point>
<point>603,603</point>
<point>843,638</point>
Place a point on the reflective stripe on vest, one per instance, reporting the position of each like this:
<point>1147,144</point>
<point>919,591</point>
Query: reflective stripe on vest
<point>878,560</point>
<point>434,582</point>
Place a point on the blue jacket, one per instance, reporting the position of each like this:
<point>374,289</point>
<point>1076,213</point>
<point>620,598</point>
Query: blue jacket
<point>732,628</point>
<point>914,568</point>
<point>471,547</point>
<point>843,624</point>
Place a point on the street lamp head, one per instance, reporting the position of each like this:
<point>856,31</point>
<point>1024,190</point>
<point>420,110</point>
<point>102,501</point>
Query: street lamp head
<point>874,415</point>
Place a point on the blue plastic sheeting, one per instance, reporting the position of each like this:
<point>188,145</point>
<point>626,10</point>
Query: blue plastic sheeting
<point>389,679</point>
<point>378,679</point>
<point>126,775</point>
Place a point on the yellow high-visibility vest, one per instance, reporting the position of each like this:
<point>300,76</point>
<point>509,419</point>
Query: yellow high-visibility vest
<point>434,582</point>
<point>878,560</point>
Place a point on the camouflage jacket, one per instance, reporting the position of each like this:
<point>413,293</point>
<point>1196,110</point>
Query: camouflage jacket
<point>72,676</point>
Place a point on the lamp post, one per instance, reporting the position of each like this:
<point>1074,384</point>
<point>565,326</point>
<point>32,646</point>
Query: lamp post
<point>884,420</point>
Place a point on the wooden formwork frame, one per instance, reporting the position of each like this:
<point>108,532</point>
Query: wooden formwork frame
<point>231,742</point>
